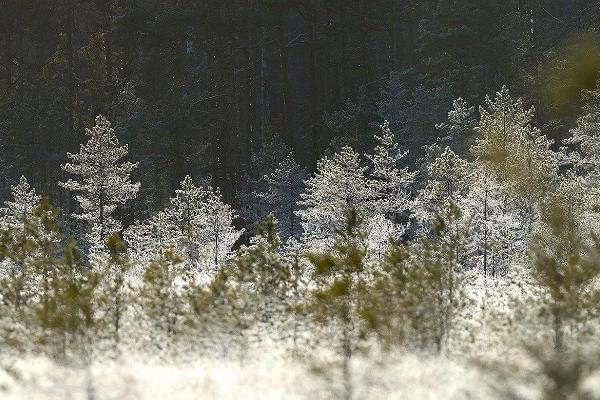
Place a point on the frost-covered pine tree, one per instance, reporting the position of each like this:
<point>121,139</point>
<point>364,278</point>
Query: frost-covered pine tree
<point>459,125</point>
<point>197,224</point>
<point>26,221</point>
<point>448,179</point>
<point>496,227</point>
<point>565,265</point>
<point>338,185</point>
<point>266,158</point>
<point>13,219</point>
<point>103,181</point>
<point>585,157</point>
<point>586,137</point>
<point>514,152</point>
<point>413,113</point>
<point>218,222</point>
<point>186,220</point>
<point>146,240</point>
<point>16,211</point>
<point>284,187</point>
<point>391,183</point>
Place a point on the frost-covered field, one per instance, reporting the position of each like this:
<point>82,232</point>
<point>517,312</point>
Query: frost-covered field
<point>392,376</point>
<point>485,357</point>
<point>406,377</point>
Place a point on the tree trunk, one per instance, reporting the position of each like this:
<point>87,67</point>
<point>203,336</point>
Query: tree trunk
<point>106,26</point>
<point>485,233</point>
<point>70,55</point>
<point>286,128</point>
<point>8,58</point>
<point>347,357</point>
<point>312,72</point>
<point>558,331</point>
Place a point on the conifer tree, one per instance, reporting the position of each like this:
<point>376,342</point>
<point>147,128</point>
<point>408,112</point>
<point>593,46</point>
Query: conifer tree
<point>67,316</point>
<point>146,239</point>
<point>185,218</point>
<point>585,136</point>
<point>161,297</point>
<point>220,232</point>
<point>338,185</point>
<point>565,265</point>
<point>497,229</point>
<point>585,157</point>
<point>418,291</point>
<point>197,223</point>
<point>28,237</point>
<point>514,152</point>
<point>391,183</point>
<point>15,212</point>
<point>284,188</point>
<point>103,181</point>
<point>458,126</point>
<point>338,275</point>
<point>29,252</point>
<point>261,266</point>
<point>250,299</point>
<point>15,219</point>
<point>448,179</point>
<point>114,284</point>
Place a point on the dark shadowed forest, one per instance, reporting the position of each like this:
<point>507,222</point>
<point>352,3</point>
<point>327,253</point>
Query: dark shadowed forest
<point>205,87</point>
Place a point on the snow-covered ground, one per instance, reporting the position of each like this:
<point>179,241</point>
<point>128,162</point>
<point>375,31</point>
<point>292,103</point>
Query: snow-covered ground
<point>405,377</point>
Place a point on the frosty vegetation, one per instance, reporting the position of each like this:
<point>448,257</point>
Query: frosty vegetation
<point>472,276</point>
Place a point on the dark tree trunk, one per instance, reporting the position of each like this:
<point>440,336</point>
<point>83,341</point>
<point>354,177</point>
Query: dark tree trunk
<point>312,76</point>
<point>104,6</point>
<point>8,56</point>
<point>70,56</point>
<point>285,79</point>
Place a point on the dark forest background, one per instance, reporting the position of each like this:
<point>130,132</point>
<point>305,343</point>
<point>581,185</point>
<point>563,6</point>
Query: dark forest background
<point>221,89</point>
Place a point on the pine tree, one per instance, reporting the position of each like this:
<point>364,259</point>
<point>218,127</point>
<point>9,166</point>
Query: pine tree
<point>197,223</point>
<point>497,229</point>
<point>459,126</point>
<point>514,152</point>
<point>28,224</point>
<point>103,181</point>
<point>259,280</point>
<point>29,251</point>
<point>146,240</point>
<point>338,276</point>
<point>284,188</point>
<point>585,137</point>
<point>448,179</point>
<point>14,213</point>
<point>218,221</point>
<point>180,225</point>
<point>391,183</point>
<point>585,157</point>
<point>248,299</point>
<point>114,284</point>
<point>338,185</point>
<point>161,297</point>
<point>565,265</point>
<point>67,315</point>
<point>419,288</point>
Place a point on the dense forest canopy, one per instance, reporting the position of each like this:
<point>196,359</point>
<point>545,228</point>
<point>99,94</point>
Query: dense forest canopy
<point>323,198</point>
<point>202,87</point>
